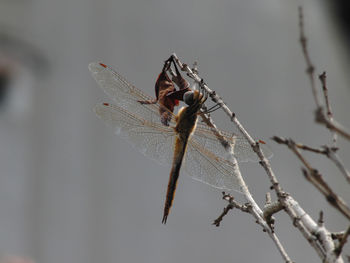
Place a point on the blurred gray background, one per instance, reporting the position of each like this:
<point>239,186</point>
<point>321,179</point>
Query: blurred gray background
<point>72,191</point>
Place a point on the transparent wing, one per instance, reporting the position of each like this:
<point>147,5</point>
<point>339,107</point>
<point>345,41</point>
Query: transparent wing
<point>157,142</point>
<point>208,168</point>
<point>241,147</point>
<point>123,93</point>
<point>127,96</point>
<point>152,139</point>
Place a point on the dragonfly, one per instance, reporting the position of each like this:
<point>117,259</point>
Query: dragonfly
<point>200,153</point>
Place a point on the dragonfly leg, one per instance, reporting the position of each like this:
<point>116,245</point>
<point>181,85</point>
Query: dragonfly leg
<point>212,109</point>
<point>179,80</point>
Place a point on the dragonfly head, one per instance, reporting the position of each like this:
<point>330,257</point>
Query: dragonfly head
<point>190,97</point>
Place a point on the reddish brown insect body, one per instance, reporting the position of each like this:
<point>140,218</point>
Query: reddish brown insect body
<point>166,93</point>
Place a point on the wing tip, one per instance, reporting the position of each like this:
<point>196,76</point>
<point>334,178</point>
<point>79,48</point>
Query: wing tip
<point>98,107</point>
<point>96,67</point>
<point>165,218</point>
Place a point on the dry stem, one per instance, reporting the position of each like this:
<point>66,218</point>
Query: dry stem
<point>320,116</point>
<point>306,225</point>
<point>314,177</point>
<point>256,210</point>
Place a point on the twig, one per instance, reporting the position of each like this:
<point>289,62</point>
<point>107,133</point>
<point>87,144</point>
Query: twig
<point>320,219</point>
<point>330,152</point>
<point>323,78</point>
<point>313,176</point>
<point>332,125</point>
<point>310,68</point>
<point>306,226</point>
<point>320,116</point>
<point>332,155</point>
<point>281,140</point>
<point>255,147</point>
<point>231,204</point>
<point>256,210</point>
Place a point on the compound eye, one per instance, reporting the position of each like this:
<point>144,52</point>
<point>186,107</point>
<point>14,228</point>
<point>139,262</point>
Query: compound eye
<point>189,97</point>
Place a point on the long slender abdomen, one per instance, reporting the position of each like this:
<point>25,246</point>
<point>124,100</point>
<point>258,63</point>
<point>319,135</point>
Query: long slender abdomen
<point>179,152</point>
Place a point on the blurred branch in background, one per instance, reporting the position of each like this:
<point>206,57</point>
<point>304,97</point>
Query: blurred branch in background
<point>320,116</point>
<point>22,65</point>
<point>20,50</point>
<point>340,9</point>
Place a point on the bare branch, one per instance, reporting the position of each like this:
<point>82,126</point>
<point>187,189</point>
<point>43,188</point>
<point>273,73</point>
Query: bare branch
<point>323,78</point>
<point>255,211</point>
<point>332,155</point>
<point>310,68</point>
<point>320,116</point>
<point>332,125</point>
<point>313,176</point>
<point>281,140</point>
<point>330,152</point>
<point>259,220</point>
<point>307,226</point>
<point>231,204</point>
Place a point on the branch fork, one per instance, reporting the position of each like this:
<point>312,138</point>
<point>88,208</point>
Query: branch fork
<point>322,243</point>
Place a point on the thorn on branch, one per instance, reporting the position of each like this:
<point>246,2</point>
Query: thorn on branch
<point>274,186</point>
<point>320,219</point>
<point>323,78</point>
<point>233,116</point>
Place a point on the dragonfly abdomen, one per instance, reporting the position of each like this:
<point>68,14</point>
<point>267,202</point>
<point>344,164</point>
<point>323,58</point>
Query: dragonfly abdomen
<point>179,152</point>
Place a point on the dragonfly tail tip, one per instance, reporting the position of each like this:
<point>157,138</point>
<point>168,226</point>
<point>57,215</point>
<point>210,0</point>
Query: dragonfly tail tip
<point>165,217</point>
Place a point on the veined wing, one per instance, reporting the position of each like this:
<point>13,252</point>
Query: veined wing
<point>242,150</point>
<point>157,142</point>
<point>123,93</point>
<point>204,166</point>
<point>151,138</point>
<point>126,96</point>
